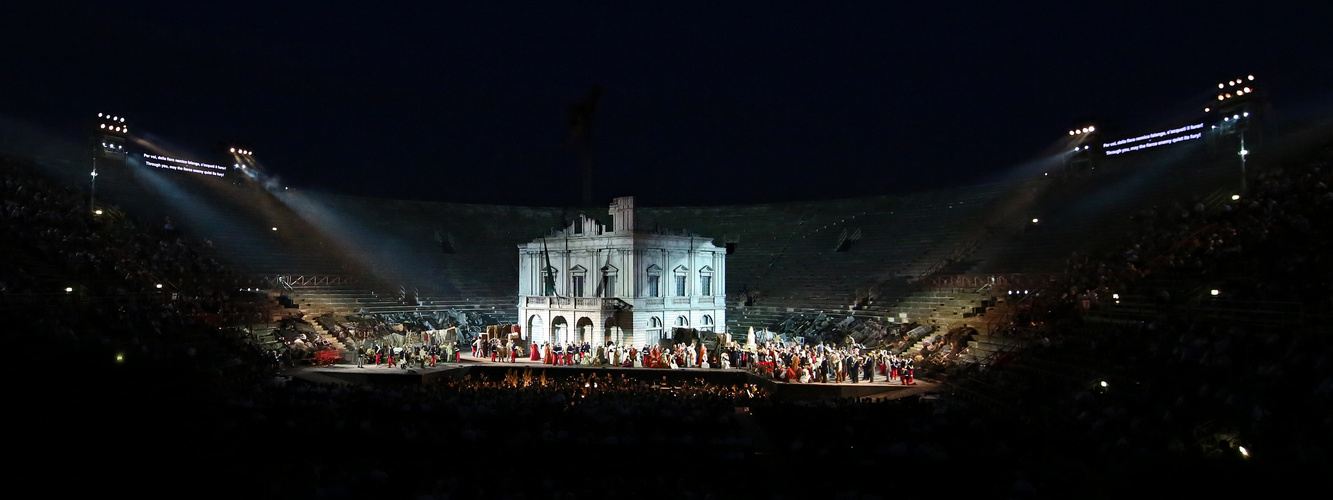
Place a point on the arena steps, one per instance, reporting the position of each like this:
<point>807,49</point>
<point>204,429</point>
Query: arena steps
<point>326,336</point>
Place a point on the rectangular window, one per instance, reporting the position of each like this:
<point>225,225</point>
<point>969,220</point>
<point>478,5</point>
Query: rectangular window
<point>578,287</point>
<point>654,286</point>
<point>680,286</point>
<point>609,285</point>
<point>705,285</point>
<point>548,283</point>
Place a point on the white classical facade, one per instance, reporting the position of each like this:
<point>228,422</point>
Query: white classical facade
<point>612,283</point>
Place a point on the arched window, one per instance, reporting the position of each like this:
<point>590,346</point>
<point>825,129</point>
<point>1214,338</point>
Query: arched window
<point>654,329</point>
<point>707,323</point>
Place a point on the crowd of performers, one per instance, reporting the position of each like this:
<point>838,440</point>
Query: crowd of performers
<point>500,351</point>
<point>790,363</point>
<point>794,363</point>
<point>828,364</point>
<point>405,357</point>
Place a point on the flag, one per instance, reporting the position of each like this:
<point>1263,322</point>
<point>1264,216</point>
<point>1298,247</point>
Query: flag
<point>604,285</point>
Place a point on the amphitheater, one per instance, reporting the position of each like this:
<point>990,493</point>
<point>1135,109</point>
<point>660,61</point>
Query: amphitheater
<point>1128,388</point>
<point>941,258</point>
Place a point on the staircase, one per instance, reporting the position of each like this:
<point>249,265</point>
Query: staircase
<point>328,337</point>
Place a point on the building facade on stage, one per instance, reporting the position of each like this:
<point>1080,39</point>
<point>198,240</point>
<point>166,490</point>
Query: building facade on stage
<point>596,283</point>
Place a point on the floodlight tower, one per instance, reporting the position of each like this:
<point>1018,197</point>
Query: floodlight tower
<point>110,135</point>
<point>1083,140</point>
<point>1234,114</point>
<point>243,161</point>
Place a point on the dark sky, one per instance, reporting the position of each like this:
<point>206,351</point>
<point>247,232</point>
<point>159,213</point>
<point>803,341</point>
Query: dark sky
<point>703,103</point>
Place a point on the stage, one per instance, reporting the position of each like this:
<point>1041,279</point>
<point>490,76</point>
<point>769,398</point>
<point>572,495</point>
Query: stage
<point>880,389</point>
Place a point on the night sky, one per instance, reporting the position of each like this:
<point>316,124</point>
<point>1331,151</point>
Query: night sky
<point>703,102</point>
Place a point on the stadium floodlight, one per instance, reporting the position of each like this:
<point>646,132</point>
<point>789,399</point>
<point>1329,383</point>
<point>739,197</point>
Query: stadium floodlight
<point>233,150</point>
<point>1251,77</point>
<point>1205,110</point>
<point>1235,117</point>
<point>1247,90</point>
<point>275,228</point>
<point>97,212</point>
<point>1247,113</point>
<point>1104,384</point>
<point>1219,97</point>
<point>1034,221</point>
<point>1220,86</point>
<point>1214,292</point>
<point>1235,197</point>
<point>1244,152</point>
<point>69,289</point>
<point>159,286</point>
<point>1243,452</point>
<point>1071,132</point>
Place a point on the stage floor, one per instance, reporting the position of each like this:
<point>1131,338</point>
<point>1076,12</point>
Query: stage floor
<point>879,389</point>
